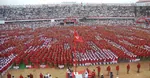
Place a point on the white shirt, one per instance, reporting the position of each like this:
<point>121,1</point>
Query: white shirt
<point>86,75</point>
<point>68,71</point>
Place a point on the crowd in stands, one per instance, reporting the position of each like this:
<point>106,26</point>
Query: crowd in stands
<point>23,25</point>
<point>37,24</point>
<point>143,11</point>
<point>111,22</point>
<point>63,11</point>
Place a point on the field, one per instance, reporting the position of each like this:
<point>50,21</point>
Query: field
<point>60,73</point>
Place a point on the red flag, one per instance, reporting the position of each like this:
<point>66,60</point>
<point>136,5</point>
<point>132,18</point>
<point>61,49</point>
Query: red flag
<point>77,38</point>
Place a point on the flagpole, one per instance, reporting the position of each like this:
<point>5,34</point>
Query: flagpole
<point>76,39</point>
<point>75,56</point>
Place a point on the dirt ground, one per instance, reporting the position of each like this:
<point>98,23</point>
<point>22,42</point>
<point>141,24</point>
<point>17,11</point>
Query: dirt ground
<point>61,73</point>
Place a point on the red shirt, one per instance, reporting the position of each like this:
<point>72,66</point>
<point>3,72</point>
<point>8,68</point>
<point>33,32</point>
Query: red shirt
<point>98,68</point>
<point>117,67</point>
<point>93,74</point>
<point>139,65</point>
<point>108,68</point>
<point>31,76</point>
<point>128,66</point>
<point>41,75</point>
<point>21,76</point>
<point>8,75</point>
<point>37,61</point>
<point>25,61</point>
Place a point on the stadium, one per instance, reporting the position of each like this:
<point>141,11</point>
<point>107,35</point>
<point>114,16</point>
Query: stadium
<point>75,40</point>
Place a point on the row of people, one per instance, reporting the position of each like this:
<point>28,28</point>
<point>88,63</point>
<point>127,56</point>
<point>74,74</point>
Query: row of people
<point>87,73</point>
<point>59,11</point>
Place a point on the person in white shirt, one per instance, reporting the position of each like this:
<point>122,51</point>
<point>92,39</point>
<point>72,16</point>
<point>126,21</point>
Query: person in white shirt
<point>68,72</point>
<point>50,76</point>
<point>86,75</point>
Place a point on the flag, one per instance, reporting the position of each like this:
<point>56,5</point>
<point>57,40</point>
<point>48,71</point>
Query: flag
<point>77,38</point>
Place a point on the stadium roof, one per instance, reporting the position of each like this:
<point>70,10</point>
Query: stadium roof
<point>144,1</point>
<point>33,2</point>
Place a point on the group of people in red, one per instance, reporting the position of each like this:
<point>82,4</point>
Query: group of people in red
<point>117,69</point>
<point>55,56</point>
<point>9,76</point>
<point>93,73</point>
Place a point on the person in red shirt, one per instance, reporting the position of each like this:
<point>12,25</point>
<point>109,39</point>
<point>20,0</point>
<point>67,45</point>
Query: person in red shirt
<point>41,75</point>
<point>98,70</point>
<point>8,75</point>
<point>117,69</point>
<point>31,75</point>
<point>128,68</point>
<point>93,74</point>
<point>21,76</point>
<point>138,67</point>
<point>108,69</point>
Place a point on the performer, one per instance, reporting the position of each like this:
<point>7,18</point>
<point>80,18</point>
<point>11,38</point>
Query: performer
<point>108,69</point>
<point>21,76</point>
<point>138,67</point>
<point>41,75</point>
<point>68,72</point>
<point>31,75</point>
<point>117,69</point>
<point>93,74</point>
<point>98,70</point>
<point>8,75</point>
<point>86,74</point>
<point>128,68</point>
<point>102,76</point>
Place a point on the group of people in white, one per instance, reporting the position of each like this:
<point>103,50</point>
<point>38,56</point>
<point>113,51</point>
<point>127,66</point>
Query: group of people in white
<point>47,76</point>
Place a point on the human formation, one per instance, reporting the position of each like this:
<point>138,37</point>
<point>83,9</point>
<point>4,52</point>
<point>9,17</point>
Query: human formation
<point>54,46</point>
